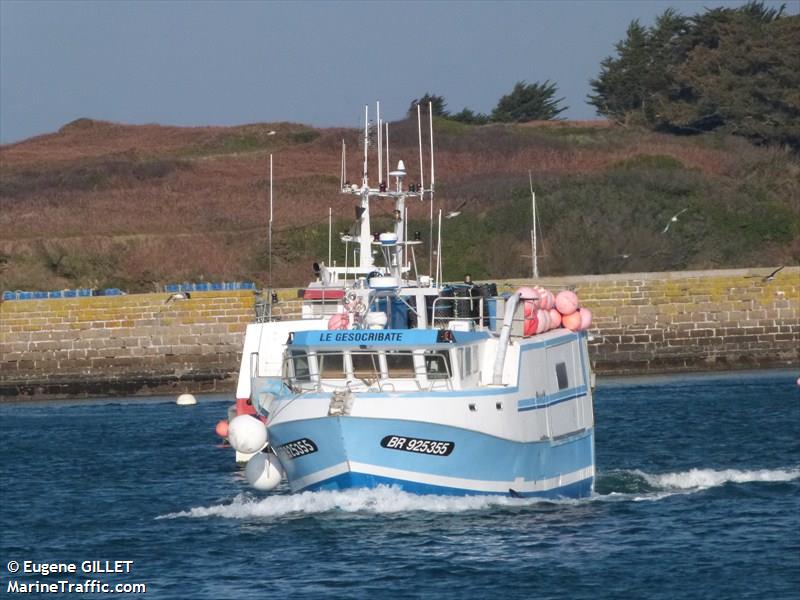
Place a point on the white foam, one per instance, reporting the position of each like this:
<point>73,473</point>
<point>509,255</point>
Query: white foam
<point>389,500</point>
<point>381,500</point>
<point>698,479</point>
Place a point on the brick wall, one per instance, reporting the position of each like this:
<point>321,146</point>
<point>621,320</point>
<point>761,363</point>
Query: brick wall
<point>691,321</point>
<point>650,322</point>
<point>122,344</point>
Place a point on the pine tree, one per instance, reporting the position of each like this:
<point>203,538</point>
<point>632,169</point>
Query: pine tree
<point>437,104</point>
<point>529,102</point>
<point>735,70</point>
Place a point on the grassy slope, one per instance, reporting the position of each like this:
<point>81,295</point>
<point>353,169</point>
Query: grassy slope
<point>100,204</point>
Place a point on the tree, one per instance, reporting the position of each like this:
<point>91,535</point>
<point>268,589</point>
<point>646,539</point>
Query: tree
<point>728,69</point>
<point>740,73</point>
<point>621,89</point>
<point>437,104</point>
<point>529,102</point>
<point>470,117</point>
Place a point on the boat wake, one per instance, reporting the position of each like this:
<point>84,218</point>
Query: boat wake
<point>632,485</point>
<point>640,486</point>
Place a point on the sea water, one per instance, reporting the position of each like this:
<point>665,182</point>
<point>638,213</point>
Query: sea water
<point>697,496</point>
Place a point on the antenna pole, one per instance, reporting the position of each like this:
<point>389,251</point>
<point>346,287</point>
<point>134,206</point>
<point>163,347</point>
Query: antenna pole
<point>405,237</point>
<point>269,289</point>
<point>422,193</point>
<point>380,141</point>
<point>330,231</point>
<point>366,144</point>
<point>344,166</point>
<point>430,115</point>
<point>387,154</point>
<point>419,135</point>
<point>439,252</point>
<point>534,257</point>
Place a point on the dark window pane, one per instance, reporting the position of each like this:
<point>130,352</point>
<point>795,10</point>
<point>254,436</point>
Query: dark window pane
<point>400,364</point>
<point>365,365</point>
<point>331,365</point>
<point>561,375</point>
<point>437,366</point>
<point>300,366</point>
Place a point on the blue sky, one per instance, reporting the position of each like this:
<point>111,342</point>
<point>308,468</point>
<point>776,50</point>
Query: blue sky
<point>224,63</point>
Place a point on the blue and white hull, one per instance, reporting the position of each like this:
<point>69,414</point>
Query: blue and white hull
<point>340,452</point>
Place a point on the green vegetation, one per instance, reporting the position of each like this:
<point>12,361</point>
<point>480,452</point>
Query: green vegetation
<point>253,138</point>
<point>730,69</point>
<point>529,102</point>
<point>87,175</point>
<point>526,102</point>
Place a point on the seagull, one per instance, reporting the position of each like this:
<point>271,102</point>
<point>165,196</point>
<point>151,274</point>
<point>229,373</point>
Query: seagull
<point>178,296</point>
<point>674,219</point>
<point>454,213</point>
<point>771,276</point>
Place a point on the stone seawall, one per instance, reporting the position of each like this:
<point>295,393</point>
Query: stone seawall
<point>138,344</point>
<point>691,321</point>
<point>133,344</point>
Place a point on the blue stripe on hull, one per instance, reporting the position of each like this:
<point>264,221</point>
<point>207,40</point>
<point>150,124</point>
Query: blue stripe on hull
<point>481,460</point>
<point>580,489</point>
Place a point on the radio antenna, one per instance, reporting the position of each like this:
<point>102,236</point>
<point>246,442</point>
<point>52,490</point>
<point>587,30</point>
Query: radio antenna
<point>343,175</point>
<point>430,116</point>
<point>387,154</point>
<point>534,257</point>
<point>269,252</point>
<point>439,252</point>
<point>365,178</point>
<point>419,135</point>
<point>330,232</point>
<point>422,191</point>
<point>380,140</point>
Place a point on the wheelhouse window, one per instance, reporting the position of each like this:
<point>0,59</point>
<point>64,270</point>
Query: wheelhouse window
<point>331,365</point>
<point>468,357</point>
<point>437,365</point>
<point>561,376</point>
<point>300,368</point>
<point>400,365</point>
<point>365,365</point>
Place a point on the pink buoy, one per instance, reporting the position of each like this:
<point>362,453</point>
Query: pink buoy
<point>548,300</point>
<point>555,318</point>
<point>567,302</point>
<point>543,318</point>
<point>586,318</point>
<point>530,294</point>
<point>531,319</point>
<point>339,321</point>
<point>572,321</point>
<point>222,428</point>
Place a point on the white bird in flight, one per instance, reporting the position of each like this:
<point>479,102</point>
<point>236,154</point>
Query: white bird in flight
<point>178,296</point>
<point>454,213</point>
<point>673,219</point>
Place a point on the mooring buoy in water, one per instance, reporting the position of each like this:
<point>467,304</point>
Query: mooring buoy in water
<point>186,400</point>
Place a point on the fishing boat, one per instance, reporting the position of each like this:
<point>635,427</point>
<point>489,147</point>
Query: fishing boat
<point>435,389</point>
